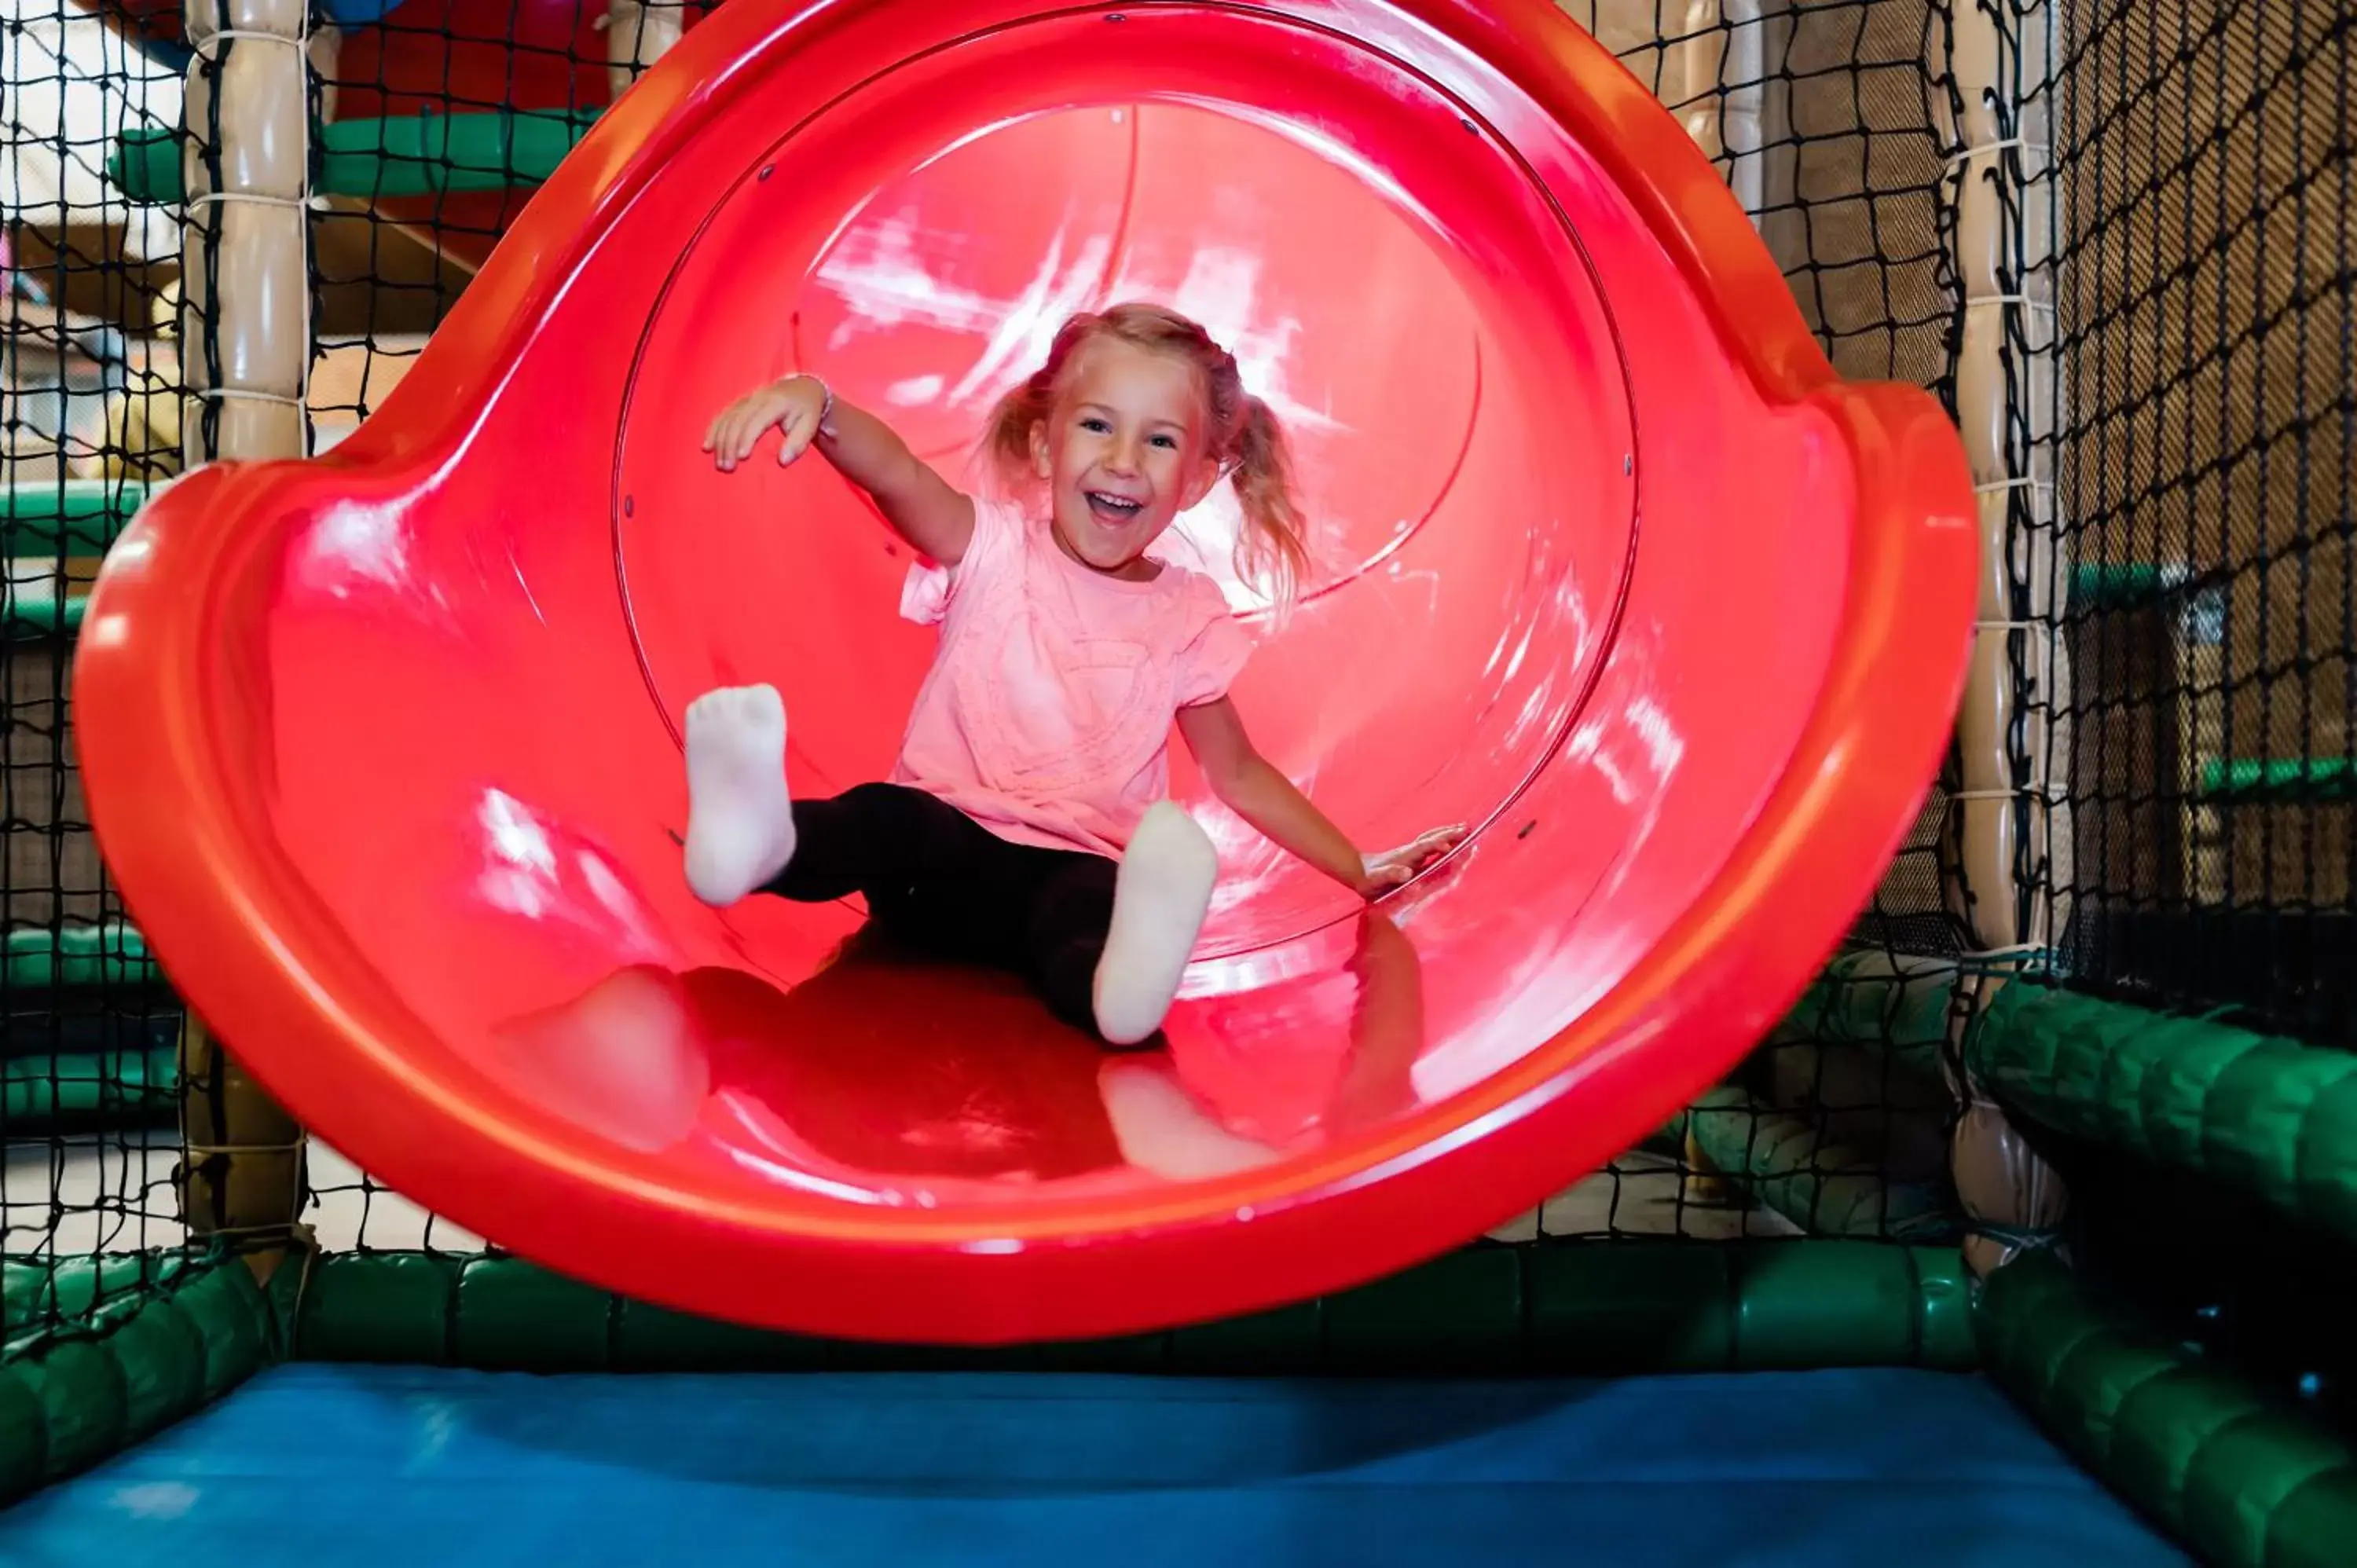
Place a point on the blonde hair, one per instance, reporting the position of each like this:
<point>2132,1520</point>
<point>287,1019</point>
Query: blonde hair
<point>1245,438</point>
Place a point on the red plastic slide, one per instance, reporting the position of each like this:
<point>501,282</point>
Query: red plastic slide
<point>384,746</point>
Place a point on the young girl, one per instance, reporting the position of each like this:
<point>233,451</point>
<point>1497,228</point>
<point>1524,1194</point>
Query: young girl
<point>1025,825</point>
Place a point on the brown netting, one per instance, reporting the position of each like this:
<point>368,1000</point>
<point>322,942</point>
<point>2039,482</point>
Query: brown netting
<point>86,1028</point>
<point>2201,444</point>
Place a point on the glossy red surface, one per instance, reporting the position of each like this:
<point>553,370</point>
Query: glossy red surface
<point>383,745</point>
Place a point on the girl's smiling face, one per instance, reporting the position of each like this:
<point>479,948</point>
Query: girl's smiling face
<point>1125,454</point>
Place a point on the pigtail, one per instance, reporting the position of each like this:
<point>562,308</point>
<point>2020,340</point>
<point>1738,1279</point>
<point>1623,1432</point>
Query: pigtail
<point>1273,548</point>
<point>1006,436</point>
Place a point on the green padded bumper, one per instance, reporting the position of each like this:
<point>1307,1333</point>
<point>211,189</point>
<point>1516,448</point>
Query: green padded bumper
<point>99,1353</point>
<point>71,1396</point>
<point>2245,1484</point>
<point>406,155</point>
<point>42,1096</point>
<point>1611,1307</point>
<point>1825,1189</point>
<point>2266,1116</point>
<point>1898,1005</point>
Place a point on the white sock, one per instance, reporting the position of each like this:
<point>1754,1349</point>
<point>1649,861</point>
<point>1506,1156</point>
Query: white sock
<point>740,819</point>
<point>1159,904</point>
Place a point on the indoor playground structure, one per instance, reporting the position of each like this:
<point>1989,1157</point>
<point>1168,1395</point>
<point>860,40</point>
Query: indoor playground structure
<point>1850,500</point>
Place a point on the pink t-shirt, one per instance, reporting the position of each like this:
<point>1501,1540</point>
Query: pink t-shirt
<point>1047,714</point>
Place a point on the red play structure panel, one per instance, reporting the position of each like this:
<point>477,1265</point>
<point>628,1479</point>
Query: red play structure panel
<point>382,747</point>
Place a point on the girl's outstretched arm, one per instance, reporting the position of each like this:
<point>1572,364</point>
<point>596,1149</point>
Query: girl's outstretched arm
<point>1255,789</point>
<point>923,507</point>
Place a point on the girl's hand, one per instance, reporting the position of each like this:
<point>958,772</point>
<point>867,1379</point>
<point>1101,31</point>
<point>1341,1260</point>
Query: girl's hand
<point>794,405</point>
<point>1398,868</point>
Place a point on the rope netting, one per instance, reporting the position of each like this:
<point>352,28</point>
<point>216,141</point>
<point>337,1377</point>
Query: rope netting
<point>1825,121</point>
<point>2198,426</point>
<point>87,1029</point>
<point>433,121</point>
<point>2187,406</point>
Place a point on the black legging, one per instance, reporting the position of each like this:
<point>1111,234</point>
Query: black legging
<point>940,881</point>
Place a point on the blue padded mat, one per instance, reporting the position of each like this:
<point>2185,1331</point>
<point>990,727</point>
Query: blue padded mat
<point>325,1466</point>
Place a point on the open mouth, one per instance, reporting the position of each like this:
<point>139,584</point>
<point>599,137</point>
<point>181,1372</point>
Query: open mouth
<point>1114,510</point>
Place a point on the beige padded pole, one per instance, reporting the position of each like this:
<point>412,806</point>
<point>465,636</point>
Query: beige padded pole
<point>245,347</point>
<point>2013,854</point>
<point>638,33</point>
<point>327,49</point>
<point>1713,74</point>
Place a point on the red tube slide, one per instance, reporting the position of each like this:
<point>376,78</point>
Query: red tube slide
<point>384,746</point>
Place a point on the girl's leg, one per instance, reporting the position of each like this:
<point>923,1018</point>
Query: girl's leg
<point>1064,935</point>
<point>1107,944</point>
<point>745,835</point>
<point>895,845</point>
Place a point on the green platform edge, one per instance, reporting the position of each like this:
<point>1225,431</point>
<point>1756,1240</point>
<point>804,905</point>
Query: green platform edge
<point>71,1396</point>
<point>2266,1116</point>
<point>55,1078</point>
<point>48,1094</point>
<point>107,953</point>
<point>2278,779</point>
<point>410,155</point>
<point>40,616</point>
<point>2098,585</point>
<point>2244,1483</point>
<point>71,518</point>
<point>55,519</point>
